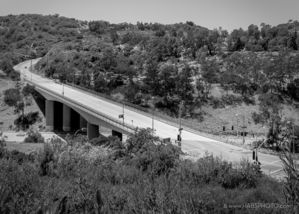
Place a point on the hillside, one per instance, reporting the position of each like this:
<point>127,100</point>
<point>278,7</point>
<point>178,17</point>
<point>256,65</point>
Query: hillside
<point>7,114</point>
<point>151,65</point>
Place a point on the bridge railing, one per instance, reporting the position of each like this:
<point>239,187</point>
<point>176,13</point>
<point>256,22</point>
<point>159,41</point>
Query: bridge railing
<point>133,107</point>
<point>187,125</point>
<point>123,126</point>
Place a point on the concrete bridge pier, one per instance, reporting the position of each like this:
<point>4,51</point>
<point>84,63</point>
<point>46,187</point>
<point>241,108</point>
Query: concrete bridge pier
<point>92,131</point>
<point>117,134</point>
<point>49,115</point>
<point>83,122</point>
<point>66,126</point>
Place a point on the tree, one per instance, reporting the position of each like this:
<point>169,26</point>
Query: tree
<point>292,40</point>
<point>108,59</point>
<point>210,70</point>
<point>114,37</point>
<point>236,40</point>
<point>98,27</point>
<point>132,92</point>
<point>100,84</point>
<point>291,184</point>
<point>270,113</point>
<point>167,77</point>
<point>152,77</point>
<point>203,89</point>
<point>184,87</point>
<point>211,41</point>
<point>6,65</point>
<point>242,71</point>
<point>12,96</point>
<point>293,89</point>
<point>278,72</point>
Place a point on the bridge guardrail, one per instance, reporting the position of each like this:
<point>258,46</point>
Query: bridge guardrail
<point>133,107</point>
<point>158,116</point>
<point>125,126</point>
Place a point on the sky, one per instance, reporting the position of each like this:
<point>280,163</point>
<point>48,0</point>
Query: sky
<point>228,14</point>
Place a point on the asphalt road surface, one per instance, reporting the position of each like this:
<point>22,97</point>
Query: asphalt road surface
<point>193,144</point>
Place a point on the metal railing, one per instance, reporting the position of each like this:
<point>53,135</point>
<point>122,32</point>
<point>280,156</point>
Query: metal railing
<point>123,126</point>
<point>189,126</point>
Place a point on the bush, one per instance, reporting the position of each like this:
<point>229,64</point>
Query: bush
<point>249,100</point>
<point>11,96</point>
<point>34,137</point>
<point>28,90</point>
<point>20,187</point>
<point>151,178</point>
<point>19,157</point>
<point>231,99</point>
<point>157,159</point>
<point>15,76</point>
<point>216,103</point>
<point>257,118</point>
<point>245,176</point>
<point>25,121</point>
<point>99,141</point>
<point>2,147</point>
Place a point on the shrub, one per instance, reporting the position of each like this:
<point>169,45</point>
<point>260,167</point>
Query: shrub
<point>15,76</point>
<point>245,176</point>
<point>216,103</point>
<point>157,159</point>
<point>46,157</point>
<point>34,137</point>
<point>231,99</point>
<point>11,96</point>
<point>25,121</point>
<point>249,100</point>
<point>19,157</point>
<point>99,141</point>
<point>2,147</point>
<point>20,187</point>
<point>257,118</point>
<point>28,89</point>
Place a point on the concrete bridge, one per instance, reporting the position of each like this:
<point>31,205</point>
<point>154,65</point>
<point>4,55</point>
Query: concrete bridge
<point>63,113</point>
<point>68,111</point>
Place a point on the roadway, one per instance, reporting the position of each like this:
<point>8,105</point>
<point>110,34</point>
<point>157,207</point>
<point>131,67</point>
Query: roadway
<point>193,144</point>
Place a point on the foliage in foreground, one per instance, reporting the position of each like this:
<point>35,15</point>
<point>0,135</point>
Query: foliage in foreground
<point>33,136</point>
<point>149,177</point>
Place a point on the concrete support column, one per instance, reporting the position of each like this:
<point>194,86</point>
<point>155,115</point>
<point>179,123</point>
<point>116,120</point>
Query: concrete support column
<point>92,131</point>
<point>117,134</point>
<point>83,122</point>
<point>66,125</point>
<point>50,115</point>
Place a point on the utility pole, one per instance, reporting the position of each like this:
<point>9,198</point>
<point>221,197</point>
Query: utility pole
<point>153,118</point>
<point>243,129</point>
<point>31,68</point>
<point>123,115</point>
<point>293,138</point>
<point>237,127</point>
<point>180,123</point>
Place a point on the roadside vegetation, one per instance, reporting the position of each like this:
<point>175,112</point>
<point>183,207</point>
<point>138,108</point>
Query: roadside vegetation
<point>144,175</point>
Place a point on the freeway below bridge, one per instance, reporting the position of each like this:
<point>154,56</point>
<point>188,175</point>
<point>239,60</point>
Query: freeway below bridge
<point>65,103</point>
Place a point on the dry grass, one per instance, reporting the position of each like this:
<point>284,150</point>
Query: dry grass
<point>7,115</point>
<point>26,148</point>
<point>215,119</point>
